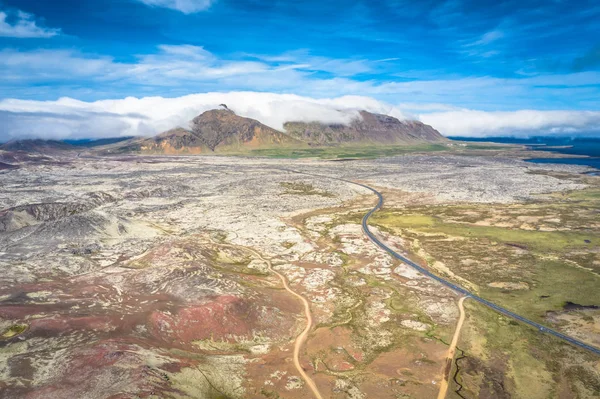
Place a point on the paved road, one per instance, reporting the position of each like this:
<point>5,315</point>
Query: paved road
<point>460,290</point>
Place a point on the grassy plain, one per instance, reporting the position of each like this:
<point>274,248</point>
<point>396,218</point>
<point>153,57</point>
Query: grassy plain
<point>345,152</point>
<point>540,259</point>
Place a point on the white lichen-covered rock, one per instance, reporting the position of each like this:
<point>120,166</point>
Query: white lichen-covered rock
<point>377,313</point>
<point>259,265</point>
<point>317,224</point>
<point>293,273</point>
<point>317,278</point>
<point>408,272</point>
<point>414,325</point>
<point>348,388</point>
<point>294,382</point>
<point>441,312</point>
<point>332,259</point>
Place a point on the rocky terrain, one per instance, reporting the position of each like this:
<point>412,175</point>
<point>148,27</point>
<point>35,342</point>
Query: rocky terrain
<point>148,276</point>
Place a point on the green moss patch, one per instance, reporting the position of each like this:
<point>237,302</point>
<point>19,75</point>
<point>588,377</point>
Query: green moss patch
<point>346,152</point>
<point>299,188</point>
<point>14,330</point>
<point>541,240</point>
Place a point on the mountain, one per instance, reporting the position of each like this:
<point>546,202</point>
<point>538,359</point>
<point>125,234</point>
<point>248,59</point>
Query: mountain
<point>89,143</point>
<point>174,141</point>
<point>370,128</point>
<point>224,128</point>
<point>16,152</point>
<point>36,146</point>
<point>217,130</point>
<point>222,131</point>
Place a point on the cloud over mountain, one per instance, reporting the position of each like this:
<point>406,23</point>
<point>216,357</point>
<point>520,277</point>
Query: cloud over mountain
<point>70,118</point>
<point>67,117</point>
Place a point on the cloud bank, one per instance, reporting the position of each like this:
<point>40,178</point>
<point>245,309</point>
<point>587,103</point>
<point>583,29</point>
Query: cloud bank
<point>472,123</point>
<point>70,118</point>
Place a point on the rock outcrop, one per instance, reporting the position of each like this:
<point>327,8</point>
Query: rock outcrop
<point>26,215</point>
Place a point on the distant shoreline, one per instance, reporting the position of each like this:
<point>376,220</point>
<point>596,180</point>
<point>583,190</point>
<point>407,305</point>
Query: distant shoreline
<point>584,151</point>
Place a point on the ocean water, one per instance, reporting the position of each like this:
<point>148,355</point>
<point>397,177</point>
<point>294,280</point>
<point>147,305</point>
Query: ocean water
<point>589,146</point>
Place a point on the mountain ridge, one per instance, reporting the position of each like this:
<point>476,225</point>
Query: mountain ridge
<point>223,131</point>
<point>370,128</point>
<point>36,146</point>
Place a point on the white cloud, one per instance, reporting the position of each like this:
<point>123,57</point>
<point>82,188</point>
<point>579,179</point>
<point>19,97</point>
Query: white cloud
<point>302,59</point>
<point>43,65</point>
<point>426,107</point>
<point>70,118</point>
<point>482,46</point>
<point>171,65</point>
<point>487,38</point>
<point>57,125</point>
<point>189,63</point>
<point>23,26</point>
<point>185,6</point>
<point>185,68</point>
<point>472,123</point>
<point>180,67</point>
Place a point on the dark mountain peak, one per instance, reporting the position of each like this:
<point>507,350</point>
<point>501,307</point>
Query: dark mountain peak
<point>216,126</point>
<point>218,113</point>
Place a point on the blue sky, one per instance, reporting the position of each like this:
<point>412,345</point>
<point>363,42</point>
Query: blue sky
<point>425,56</point>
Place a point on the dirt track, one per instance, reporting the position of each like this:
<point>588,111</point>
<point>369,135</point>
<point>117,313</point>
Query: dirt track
<point>452,350</point>
<point>300,339</point>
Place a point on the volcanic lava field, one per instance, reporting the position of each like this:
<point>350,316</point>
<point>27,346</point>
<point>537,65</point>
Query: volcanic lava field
<point>154,276</point>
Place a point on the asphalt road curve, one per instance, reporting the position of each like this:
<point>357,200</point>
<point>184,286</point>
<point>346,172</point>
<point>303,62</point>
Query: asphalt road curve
<point>460,290</point>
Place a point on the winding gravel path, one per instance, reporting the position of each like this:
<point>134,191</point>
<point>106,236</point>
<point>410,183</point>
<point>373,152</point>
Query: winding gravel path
<point>300,339</point>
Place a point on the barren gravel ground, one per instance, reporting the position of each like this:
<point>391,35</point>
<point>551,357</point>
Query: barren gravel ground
<point>118,277</point>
